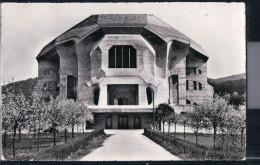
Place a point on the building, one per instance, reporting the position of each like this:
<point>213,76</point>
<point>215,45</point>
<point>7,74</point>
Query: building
<point>115,63</point>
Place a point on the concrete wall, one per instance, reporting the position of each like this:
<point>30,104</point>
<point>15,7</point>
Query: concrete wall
<point>68,65</point>
<point>177,66</point>
<point>83,50</point>
<point>50,78</point>
<point>198,96</point>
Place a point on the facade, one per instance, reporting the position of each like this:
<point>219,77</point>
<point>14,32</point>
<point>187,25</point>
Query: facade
<point>115,64</point>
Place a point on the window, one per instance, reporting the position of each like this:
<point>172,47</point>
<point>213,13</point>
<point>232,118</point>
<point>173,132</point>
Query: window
<point>187,101</point>
<point>200,86</point>
<point>194,85</point>
<point>200,72</point>
<point>195,104</point>
<point>122,56</point>
<point>187,84</point>
<point>149,93</point>
<point>96,96</point>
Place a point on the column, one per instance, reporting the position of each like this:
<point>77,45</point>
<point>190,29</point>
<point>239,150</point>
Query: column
<point>142,95</point>
<point>63,86</point>
<point>103,95</point>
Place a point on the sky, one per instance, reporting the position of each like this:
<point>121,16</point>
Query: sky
<point>27,27</point>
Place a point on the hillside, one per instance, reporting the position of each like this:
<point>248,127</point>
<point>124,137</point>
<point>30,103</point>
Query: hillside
<point>25,86</point>
<point>230,84</point>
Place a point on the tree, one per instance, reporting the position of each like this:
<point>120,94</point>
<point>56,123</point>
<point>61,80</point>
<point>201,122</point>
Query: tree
<point>176,119</point>
<point>236,99</point>
<point>214,110</point>
<point>237,122</point>
<point>55,115</point>
<point>15,111</point>
<point>170,119</point>
<point>184,118</point>
<point>242,122</point>
<point>37,115</point>
<point>75,113</point>
<point>197,116</point>
<point>162,111</point>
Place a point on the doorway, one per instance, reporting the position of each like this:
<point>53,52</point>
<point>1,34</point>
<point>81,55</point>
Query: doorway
<point>122,122</point>
<point>137,122</point>
<point>108,122</point>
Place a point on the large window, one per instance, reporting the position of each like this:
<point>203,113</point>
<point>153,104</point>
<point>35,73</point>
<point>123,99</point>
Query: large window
<point>122,56</point>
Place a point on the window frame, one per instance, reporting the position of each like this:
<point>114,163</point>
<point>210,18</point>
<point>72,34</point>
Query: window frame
<point>122,52</point>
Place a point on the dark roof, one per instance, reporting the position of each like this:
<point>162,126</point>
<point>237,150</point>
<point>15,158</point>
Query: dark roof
<point>95,22</point>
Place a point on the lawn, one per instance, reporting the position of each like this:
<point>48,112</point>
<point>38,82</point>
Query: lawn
<point>28,145</point>
<point>208,141</point>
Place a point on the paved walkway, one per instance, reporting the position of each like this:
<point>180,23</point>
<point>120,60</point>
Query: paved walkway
<point>128,145</point>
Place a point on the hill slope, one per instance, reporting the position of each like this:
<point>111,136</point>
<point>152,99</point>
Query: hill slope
<point>230,84</point>
<point>25,86</point>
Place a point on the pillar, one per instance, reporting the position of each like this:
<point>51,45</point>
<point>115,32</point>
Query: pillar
<point>63,86</point>
<point>103,95</point>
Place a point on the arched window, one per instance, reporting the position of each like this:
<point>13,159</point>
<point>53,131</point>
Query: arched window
<point>200,86</point>
<point>122,56</point>
<point>96,96</point>
<point>149,93</point>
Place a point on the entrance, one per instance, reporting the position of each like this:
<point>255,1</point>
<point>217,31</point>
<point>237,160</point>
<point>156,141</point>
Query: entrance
<point>122,122</point>
<point>137,122</point>
<point>108,123</point>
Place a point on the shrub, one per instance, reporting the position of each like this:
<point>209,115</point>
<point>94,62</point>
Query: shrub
<point>61,152</point>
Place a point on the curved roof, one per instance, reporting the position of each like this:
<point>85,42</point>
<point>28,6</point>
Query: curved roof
<point>95,22</point>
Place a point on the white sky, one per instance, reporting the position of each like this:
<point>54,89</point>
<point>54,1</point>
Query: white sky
<point>218,27</point>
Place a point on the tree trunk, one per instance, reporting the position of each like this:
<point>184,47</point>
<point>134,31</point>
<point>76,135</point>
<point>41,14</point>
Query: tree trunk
<point>78,129</point>
<point>15,127</point>
<point>197,133</point>
<point>222,134</point>
<point>34,130</point>
<point>38,140</point>
<point>169,125</point>
<point>72,131</point>
<point>175,128</point>
<point>163,127</point>
<point>83,128</point>
<point>65,135</point>
<point>54,137</point>
<point>5,139</point>
<point>215,132</point>
<point>184,130</point>
<point>19,134</point>
<point>160,125</point>
<point>14,142</point>
<point>242,133</point>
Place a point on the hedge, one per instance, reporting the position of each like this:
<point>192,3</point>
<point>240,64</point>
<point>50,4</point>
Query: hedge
<point>181,147</point>
<point>62,151</point>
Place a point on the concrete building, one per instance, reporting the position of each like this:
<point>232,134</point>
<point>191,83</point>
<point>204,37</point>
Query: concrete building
<point>115,63</point>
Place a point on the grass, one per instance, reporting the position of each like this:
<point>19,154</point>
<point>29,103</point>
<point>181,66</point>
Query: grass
<point>27,148</point>
<point>188,150</point>
<point>207,140</point>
